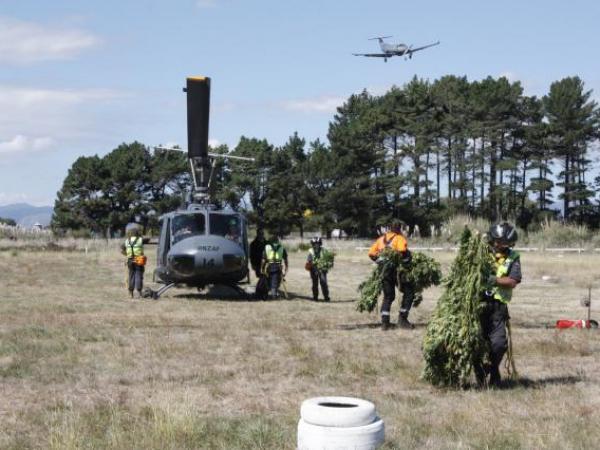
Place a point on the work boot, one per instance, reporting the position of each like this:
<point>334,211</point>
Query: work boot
<point>315,298</point>
<point>131,293</point>
<point>140,296</point>
<point>495,378</point>
<point>327,299</point>
<point>385,323</point>
<point>404,323</point>
<point>480,375</point>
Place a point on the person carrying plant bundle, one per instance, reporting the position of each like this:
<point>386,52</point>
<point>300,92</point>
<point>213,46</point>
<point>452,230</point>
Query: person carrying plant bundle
<point>393,241</point>
<point>318,262</point>
<point>133,248</point>
<point>494,315</point>
<point>274,264</point>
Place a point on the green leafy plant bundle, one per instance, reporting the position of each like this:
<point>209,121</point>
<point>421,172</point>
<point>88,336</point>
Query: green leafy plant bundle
<point>453,340</point>
<point>325,260</point>
<point>423,272</point>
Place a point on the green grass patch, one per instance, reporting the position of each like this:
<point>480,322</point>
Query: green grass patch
<point>117,426</point>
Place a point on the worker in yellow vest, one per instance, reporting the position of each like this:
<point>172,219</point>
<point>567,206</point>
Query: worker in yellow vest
<point>274,264</point>
<point>494,316</point>
<point>133,248</point>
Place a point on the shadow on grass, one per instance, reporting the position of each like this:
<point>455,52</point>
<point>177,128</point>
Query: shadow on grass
<point>362,326</point>
<point>232,294</point>
<point>528,383</point>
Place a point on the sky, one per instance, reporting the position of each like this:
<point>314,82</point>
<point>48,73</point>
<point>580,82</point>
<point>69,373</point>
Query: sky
<point>78,78</point>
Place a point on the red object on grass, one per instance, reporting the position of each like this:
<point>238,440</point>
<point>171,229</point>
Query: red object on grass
<point>564,323</point>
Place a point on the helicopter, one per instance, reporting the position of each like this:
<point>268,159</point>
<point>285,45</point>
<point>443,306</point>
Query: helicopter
<point>201,245</point>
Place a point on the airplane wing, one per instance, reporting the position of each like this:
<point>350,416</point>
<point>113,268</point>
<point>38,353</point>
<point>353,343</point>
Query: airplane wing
<point>412,50</point>
<point>373,55</point>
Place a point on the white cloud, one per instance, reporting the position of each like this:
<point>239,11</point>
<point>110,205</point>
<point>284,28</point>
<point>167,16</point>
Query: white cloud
<point>19,97</point>
<point>27,42</point>
<point>21,143</point>
<point>206,3</point>
<point>214,142</point>
<point>35,118</point>
<point>322,104</point>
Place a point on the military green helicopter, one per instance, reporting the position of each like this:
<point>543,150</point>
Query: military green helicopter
<point>201,245</point>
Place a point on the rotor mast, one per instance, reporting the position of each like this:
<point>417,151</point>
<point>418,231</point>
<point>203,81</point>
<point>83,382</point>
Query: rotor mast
<point>198,112</point>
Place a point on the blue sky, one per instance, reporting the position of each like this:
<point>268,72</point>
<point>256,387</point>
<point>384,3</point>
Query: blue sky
<point>80,77</point>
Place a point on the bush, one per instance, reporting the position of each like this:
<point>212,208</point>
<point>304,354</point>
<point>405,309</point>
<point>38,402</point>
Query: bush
<point>556,234</point>
<point>303,247</point>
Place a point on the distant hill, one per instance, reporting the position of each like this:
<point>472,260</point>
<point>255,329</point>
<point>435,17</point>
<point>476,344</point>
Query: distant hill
<point>26,215</point>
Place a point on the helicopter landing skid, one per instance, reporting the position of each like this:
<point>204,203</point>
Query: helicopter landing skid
<point>155,295</point>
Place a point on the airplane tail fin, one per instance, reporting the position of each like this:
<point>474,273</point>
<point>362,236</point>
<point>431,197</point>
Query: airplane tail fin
<point>379,38</point>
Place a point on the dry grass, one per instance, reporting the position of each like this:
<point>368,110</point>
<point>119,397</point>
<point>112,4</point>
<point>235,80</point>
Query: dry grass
<point>81,366</point>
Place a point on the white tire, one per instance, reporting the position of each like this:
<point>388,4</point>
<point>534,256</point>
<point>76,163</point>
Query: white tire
<point>366,437</point>
<point>337,411</point>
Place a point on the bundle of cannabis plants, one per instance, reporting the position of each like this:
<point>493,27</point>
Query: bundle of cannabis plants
<point>422,272</point>
<point>324,262</point>
<point>453,341</point>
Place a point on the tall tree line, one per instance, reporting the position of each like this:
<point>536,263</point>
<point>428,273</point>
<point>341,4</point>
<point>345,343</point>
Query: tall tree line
<point>421,152</point>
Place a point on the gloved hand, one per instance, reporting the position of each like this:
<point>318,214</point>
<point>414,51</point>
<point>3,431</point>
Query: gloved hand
<point>380,260</point>
<point>491,280</point>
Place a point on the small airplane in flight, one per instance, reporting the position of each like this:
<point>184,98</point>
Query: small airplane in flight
<point>389,50</point>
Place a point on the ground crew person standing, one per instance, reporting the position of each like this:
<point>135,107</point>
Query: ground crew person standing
<point>317,276</point>
<point>257,247</point>
<point>274,264</point>
<point>394,240</point>
<point>133,248</point>
<point>494,316</point>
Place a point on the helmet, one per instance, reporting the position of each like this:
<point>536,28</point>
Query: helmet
<point>133,229</point>
<point>396,224</point>
<point>316,241</point>
<point>503,232</point>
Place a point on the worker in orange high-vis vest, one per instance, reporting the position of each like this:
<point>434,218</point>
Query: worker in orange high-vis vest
<point>394,240</point>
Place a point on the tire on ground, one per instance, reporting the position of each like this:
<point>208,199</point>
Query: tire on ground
<point>315,437</point>
<point>337,412</point>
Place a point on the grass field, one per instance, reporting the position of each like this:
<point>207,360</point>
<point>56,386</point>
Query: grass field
<point>83,366</point>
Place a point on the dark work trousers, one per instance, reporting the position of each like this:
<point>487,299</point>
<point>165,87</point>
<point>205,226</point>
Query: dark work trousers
<point>136,276</point>
<point>274,273</point>
<point>389,294</point>
<point>317,278</point>
<point>493,326</point>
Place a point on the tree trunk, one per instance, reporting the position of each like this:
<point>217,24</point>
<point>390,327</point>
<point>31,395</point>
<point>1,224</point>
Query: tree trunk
<point>566,189</point>
<point>492,185</point>
<point>449,158</point>
<point>437,176</point>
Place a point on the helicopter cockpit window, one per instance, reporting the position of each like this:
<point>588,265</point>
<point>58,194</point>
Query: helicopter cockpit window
<point>186,225</point>
<point>228,226</point>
